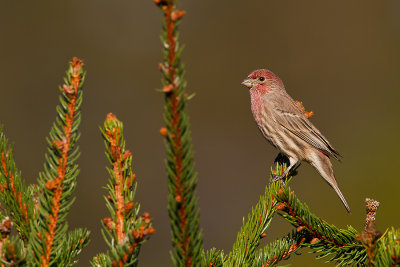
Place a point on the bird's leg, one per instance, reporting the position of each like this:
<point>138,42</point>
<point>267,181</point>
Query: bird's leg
<point>282,158</point>
<point>293,163</point>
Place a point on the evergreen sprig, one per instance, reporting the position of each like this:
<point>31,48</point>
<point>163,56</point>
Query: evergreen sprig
<point>125,231</point>
<point>387,251</point>
<point>49,237</point>
<point>248,239</point>
<point>341,246</point>
<point>187,244</point>
<point>325,239</point>
<point>214,257</point>
<point>278,250</point>
<point>16,197</point>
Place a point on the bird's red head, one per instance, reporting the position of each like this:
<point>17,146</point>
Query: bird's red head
<point>263,81</point>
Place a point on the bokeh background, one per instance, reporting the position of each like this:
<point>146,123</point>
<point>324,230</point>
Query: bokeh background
<point>341,58</point>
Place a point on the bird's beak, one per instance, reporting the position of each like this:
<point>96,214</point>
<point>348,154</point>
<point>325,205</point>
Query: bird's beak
<point>248,83</point>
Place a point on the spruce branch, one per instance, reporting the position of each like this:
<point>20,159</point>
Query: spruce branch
<point>387,251</point>
<point>248,239</point>
<point>326,239</point>
<point>214,258</point>
<point>124,231</point>
<point>310,231</point>
<point>278,250</point>
<point>183,210</point>
<point>14,194</point>
<point>58,180</point>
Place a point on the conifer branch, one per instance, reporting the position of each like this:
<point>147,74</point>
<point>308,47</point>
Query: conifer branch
<point>14,194</point>
<point>387,251</point>
<point>58,180</point>
<point>126,231</point>
<point>248,239</point>
<point>182,179</point>
<point>278,250</point>
<point>323,238</point>
<point>214,258</point>
<point>342,246</point>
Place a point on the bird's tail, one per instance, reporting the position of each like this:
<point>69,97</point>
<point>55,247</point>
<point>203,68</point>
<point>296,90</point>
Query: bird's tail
<point>339,193</point>
<point>324,166</point>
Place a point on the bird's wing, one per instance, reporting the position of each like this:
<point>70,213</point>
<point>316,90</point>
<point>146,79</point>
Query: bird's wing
<point>291,117</point>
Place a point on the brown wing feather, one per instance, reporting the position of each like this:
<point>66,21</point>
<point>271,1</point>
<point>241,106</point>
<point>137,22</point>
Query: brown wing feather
<point>288,114</point>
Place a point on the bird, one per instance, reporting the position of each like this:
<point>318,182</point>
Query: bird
<point>284,125</point>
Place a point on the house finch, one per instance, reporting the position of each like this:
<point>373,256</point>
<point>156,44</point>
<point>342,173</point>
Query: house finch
<point>285,126</point>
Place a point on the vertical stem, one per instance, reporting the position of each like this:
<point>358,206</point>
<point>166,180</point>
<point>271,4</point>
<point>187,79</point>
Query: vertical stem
<point>184,215</point>
<point>56,185</point>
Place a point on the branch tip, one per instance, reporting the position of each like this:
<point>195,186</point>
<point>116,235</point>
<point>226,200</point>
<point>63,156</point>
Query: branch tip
<point>371,206</point>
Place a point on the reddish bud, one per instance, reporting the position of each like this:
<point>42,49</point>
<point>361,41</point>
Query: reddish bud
<point>159,2</point>
<point>136,234</point>
<point>115,152</point>
<point>111,117</point>
<point>263,235</point>
<point>76,67</point>
<point>300,228</point>
<point>178,199</point>
<point>280,191</point>
<point>177,14</point>
<point>281,206</point>
<point>163,131</point>
<point>128,207</point>
<point>314,240</point>
<point>61,144</point>
<point>149,231</point>
<point>308,114</point>
<point>146,217</point>
<point>125,257</point>
<point>68,89</point>
<point>76,62</point>
<point>127,154</point>
<point>168,88</point>
<point>3,187</point>
<point>109,223</point>
<point>51,184</point>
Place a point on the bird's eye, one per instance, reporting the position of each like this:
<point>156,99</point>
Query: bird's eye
<point>261,79</point>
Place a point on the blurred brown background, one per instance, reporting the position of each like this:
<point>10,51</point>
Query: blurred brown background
<point>341,58</point>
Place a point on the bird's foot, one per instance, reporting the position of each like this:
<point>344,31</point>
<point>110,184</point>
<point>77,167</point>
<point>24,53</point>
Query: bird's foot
<point>281,178</point>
